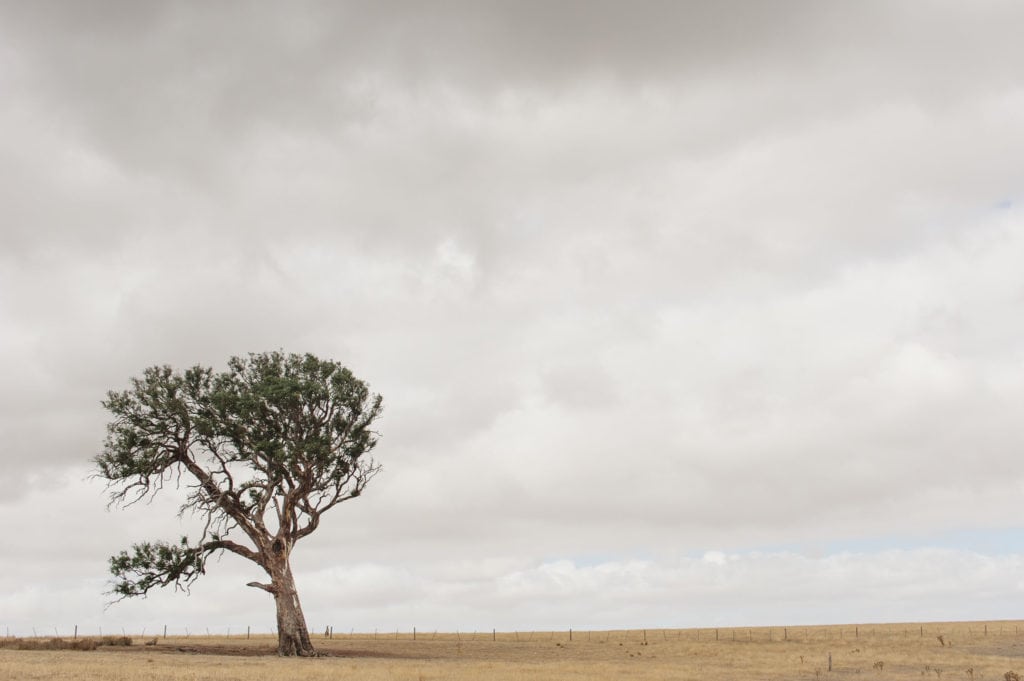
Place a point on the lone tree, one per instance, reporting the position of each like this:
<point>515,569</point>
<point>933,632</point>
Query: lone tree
<point>264,449</point>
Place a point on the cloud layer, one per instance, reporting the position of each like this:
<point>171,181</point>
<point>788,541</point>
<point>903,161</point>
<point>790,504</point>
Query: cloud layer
<point>636,283</point>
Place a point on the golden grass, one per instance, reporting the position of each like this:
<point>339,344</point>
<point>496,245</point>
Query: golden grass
<point>968,652</point>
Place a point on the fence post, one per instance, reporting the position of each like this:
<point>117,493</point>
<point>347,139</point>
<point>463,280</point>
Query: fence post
<point>414,633</point>
<point>570,634</point>
<point>76,631</point>
<point>830,661</point>
<point>716,634</point>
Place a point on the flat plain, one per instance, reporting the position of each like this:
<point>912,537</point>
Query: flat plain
<point>967,651</point>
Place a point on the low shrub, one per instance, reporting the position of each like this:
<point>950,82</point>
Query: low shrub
<point>115,641</point>
<point>63,644</point>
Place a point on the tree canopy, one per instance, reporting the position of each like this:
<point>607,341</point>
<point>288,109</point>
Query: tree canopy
<point>263,449</point>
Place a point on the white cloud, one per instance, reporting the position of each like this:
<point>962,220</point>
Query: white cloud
<point>718,589</point>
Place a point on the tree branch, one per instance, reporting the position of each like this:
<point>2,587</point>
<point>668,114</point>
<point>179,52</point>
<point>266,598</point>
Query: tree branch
<point>233,547</point>
<point>223,499</point>
<point>269,588</point>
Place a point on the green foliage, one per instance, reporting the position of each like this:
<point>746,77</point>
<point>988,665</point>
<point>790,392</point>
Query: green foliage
<point>152,427</point>
<point>156,564</point>
<point>265,447</point>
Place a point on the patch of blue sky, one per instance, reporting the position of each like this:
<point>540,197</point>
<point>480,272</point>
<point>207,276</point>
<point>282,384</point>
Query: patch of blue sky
<point>987,541</point>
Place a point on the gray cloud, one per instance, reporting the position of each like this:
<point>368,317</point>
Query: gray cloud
<point>633,280</point>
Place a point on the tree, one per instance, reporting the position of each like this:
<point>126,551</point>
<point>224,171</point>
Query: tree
<point>263,450</point>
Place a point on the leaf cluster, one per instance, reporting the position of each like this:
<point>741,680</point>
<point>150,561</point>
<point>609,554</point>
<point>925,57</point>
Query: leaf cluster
<point>152,564</point>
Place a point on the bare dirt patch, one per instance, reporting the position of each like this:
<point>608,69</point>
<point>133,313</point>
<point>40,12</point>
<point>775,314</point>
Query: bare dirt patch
<point>230,650</point>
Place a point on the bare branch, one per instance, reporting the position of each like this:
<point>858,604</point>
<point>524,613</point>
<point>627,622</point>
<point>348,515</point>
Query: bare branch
<point>233,547</point>
<point>269,588</point>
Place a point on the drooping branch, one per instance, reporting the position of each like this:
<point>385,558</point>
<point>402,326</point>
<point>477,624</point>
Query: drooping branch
<point>160,564</point>
<point>157,564</point>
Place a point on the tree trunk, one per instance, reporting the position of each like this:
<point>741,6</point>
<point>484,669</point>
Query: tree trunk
<point>292,634</point>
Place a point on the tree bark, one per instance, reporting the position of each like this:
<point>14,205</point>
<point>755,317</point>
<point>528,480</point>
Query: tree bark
<point>292,633</point>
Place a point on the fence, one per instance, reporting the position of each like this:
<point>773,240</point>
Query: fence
<point>943,631</point>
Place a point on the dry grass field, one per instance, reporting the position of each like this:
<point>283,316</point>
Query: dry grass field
<point>976,651</point>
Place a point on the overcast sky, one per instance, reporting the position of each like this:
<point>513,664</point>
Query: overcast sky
<point>684,314</point>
